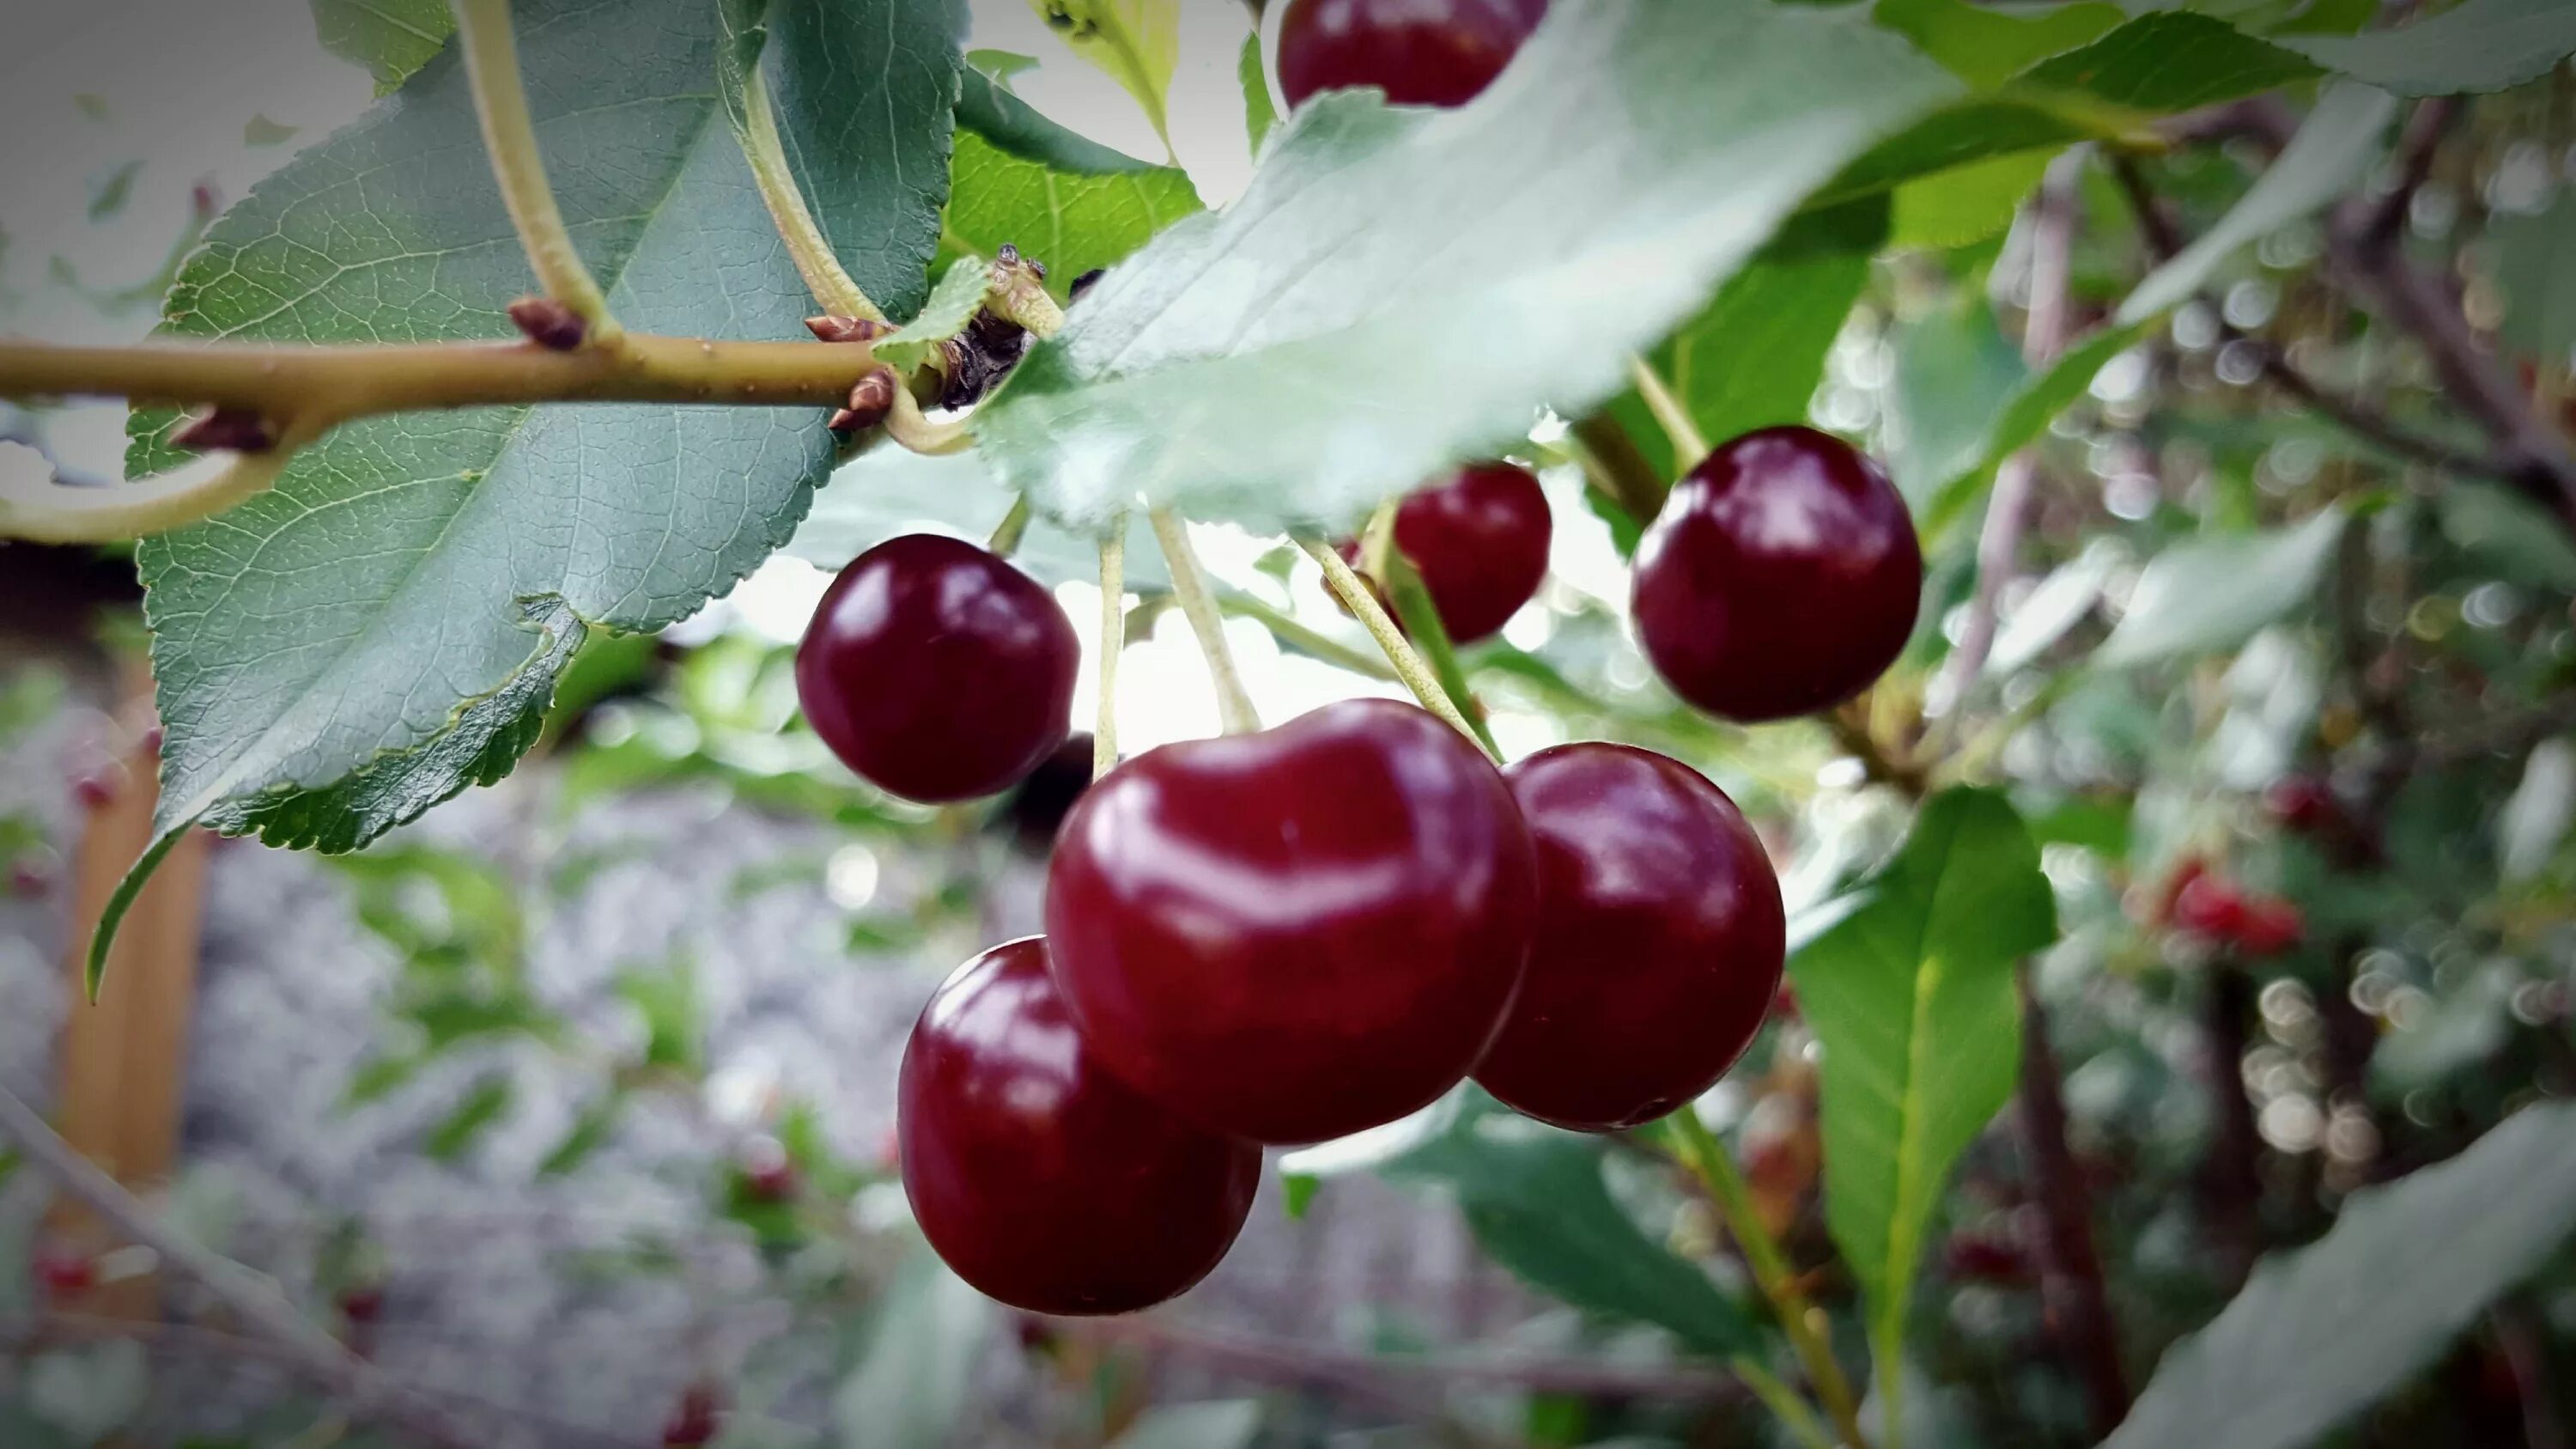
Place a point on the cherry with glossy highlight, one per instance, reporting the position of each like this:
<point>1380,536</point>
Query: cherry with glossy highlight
<point>1420,52</point>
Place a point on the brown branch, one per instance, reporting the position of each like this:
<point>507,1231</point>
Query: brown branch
<point>2379,224</point>
<point>2231,1181</point>
<point>2070,1265</point>
<point>367,1390</point>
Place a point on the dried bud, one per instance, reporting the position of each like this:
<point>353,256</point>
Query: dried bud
<point>1087,281</point>
<point>870,401</point>
<point>236,429</point>
<point>1009,259</point>
<point>846,329</point>
<point>548,323</point>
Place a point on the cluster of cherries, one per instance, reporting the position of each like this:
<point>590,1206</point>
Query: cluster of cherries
<point>1303,932</point>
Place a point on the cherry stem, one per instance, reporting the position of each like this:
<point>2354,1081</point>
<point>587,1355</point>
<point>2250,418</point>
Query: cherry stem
<point>909,425</point>
<point>833,287</point>
<point>1701,1152</point>
<point>1189,586</point>
<point>1113,640</point>
<point>1013,527</point>
<point>1409,667</point>
<point>1618,468</point>
<point>510,135</point>
<point>1783,1402</point>
<point>1420,616</point>
<point>1297,638</point>
<point>1689,444</point>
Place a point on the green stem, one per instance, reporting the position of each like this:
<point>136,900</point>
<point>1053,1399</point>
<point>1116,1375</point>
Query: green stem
<point>1612,461</point>
<point>1421,620</point>
<point>510,135</point>
<point>1416,675</point>
<point>1013,527</point>
<point>834,289</point>
<point>1783,1402</point>
<point>1300,639</point>
<point>1113,640</point>
<point>1689,444</point>
<point>1706,1158</point>
<point>1189,586</point>
<point>909,425</point>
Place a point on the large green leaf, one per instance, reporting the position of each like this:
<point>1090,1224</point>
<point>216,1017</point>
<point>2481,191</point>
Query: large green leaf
<point>913,1378</point>
<point>1966,204</point>
<point>2331,150</point>
<point>2536,267</point>
<point>1136,43</point>
<point>987,107</point>
<point>1987,46</point>
<point>2215,593</point>
<point>889,491</point>
<point>2023,416</point>
<point>1956,372</point>
<point>391,38</point>
<point>1909,987</point>
<point>1398,289</point>
<point>1074,221</point>
<point>383,627</point>
<point>1535,1199</point>
<point>2477,46</point>
<point>2324,1332</point>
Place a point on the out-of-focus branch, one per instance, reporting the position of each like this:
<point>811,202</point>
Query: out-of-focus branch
<point>2070,1265</point>
<point>2231,1181</point>
<point>364,1389</point>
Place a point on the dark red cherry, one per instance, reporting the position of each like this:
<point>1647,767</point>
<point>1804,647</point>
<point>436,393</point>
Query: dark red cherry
<point>2208,906</point>
<point>938,671</point>
<point>63,1273</point>
<point>1041,1179</point>
<point>1479,541</point>
<point>2270,926</point>
<point>692,1421</point>
<point>1781,577</point>
<point>1659,945</point>
<point>1296,934</point>
<point>1420,52</point>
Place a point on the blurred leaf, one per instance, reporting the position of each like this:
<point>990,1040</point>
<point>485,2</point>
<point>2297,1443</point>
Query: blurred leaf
<point>1229,1424</point>
<point>110,190</point>
<point>2537,814</point>
<point>2326,1331</point>
<point>1909,989</point>
<point>589,1133</point>
<point>2473,47</point>
<point>1987,47</point>
<point>667,999</point>
<point>987,107</point>
<point>891,491</point>
<point>1000,66</point>
<point>2171,60</point>
<point>1966,204</point>
<point>1300,356</point>
<point>2325,159</point>
<point>2509,533</point>
<point>1535,1199</point>
<point>88,1392</point>
<point>94,106</point>
<point>458,1130</point>
<point>1297,1193</point>
<point>377,1077</point>
<point>261,131</point>
<point>1260,111</point>
<point>391,38</point>
<point>1136,43</point>
<point>2536,268</point>
<point>953,303</point>
<point>909,1385</point>
<point>608,664</point>
<point>2210,594</point>
<point>1955,373</point>
<point>2023,417</point>
<point>2059,603</point>
<point>450,1017</point>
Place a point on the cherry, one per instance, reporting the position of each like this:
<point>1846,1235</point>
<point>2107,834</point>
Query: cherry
<point>1420,52</point>
<point>2209,906</point>
<point>1043,1180</point>
<point>2269,926</point>
<point>1296,934</point>
<point>768,1177</point>
<point>938,671</point>
<point>1479,541</point>
<point>1984,1258</point>
<point>692,1424</point>
<point>1659,944</point>
<point>63,1273</point>
<point>1781,577</point>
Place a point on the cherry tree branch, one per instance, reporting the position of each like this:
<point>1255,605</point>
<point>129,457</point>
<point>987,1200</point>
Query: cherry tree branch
<point>2070,1264</point>
<point>501,102</point>
<point>368,1391</point>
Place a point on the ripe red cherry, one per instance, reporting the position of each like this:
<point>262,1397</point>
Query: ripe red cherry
<point>1480,543</point>
<point>1659,945</point>
<point>1296,934</point>
<point>2209,907</point>
<point>63,1273</point>
<point>938,671</point>
<point>1781,577</point>
<point>1041,1179</point>
<point>692,1422</point>
<point>1420,52</point>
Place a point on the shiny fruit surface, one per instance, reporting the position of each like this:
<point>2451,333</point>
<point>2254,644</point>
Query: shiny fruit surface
<point>1781,577</point>
<point>1300,933</point>
<point>1040,1179</point>
<point>1479,540</point>
<point>938,671</point>
<point>1420,52</point>
<point>1659,944</point>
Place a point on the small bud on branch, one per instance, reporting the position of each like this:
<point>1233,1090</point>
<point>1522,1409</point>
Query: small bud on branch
<point>549,323</point>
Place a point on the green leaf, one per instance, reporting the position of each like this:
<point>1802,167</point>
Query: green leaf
<point>1399,289</point>
<point>890,491</point>
<point>1986,47</point>
<point>382,629</point>
<point>109,192</point>
<point>1966,204</point>
<point>988,108</point>
<point>1136,43</point>
<point>261,131</point>
<point>2326,1331</point>
<point>1909,988</point>
<point>2536,268</point>
<point>1225,1424</point>
<point>391,38</point>
<point>467,1121</point>
<point>589,1133</point>
<point>1260,109</point>
<point>1000,66</point>
<point>2328,155</point>
<point>2023,417</point>
<point>2215,593</point>
<point>1075,222</point>
<point>2509,533</point>
<point>1956,372</point>
<point>2173,60</point>
<point>909,1386</point>
<point>953,303</point>
<point>864,92</point>
<point>667,999</point>
<point>1535,1199</point>
<point>2474,47</point>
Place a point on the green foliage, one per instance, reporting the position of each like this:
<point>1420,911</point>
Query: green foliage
<point>910,1381</point>
<point>2404,1270</point>
<point>391,38</point>
<point>2214,593</point>
<point>1260,109</point>
<point>2021,418</point>
<point>2536,268</point>
<point>1136,43</point>
<point>1908,985</point>
<point>953,304</point>
<point>1225,1424</point>
<point>466,1122</point>
<point>1987,47</point>
<point>1075,222</point>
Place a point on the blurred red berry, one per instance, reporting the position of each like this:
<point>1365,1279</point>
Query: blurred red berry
<point>2304,803</point>
<point>29,881</point>
<point>1981,1258</point>
<point>2209,907</point>
<point>63,1273</point>
<point>362,1305</point>
<point>770,1182</point>
<point>152,740</point>
<point>93,791</point>
<point>692,1424</point>
<point>2269,926</point>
